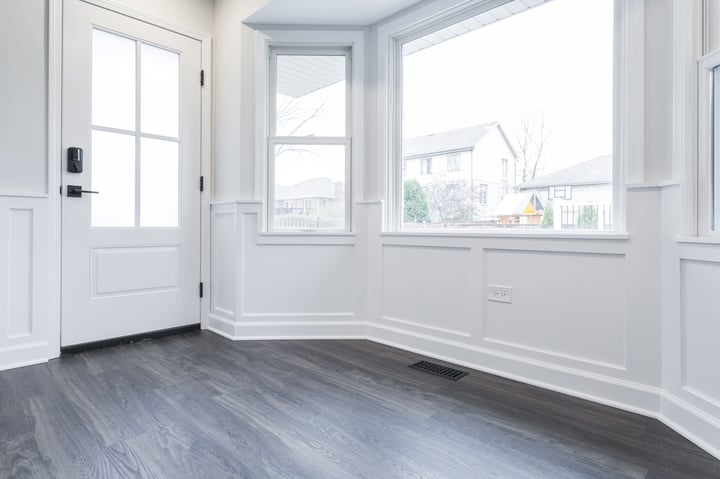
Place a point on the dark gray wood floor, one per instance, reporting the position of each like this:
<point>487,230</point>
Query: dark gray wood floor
<point>200,406</point>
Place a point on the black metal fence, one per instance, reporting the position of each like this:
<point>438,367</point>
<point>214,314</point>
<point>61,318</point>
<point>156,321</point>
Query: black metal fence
<point>586,217</point>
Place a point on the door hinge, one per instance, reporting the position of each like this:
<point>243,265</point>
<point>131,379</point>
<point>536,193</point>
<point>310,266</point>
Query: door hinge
<point>202,183</point>
<point>201,290</point>
<point>202,77</point>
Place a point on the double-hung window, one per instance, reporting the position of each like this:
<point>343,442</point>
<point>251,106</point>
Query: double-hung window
<point>709,148</point>
<point>527,85</point>
<point>309,143</point>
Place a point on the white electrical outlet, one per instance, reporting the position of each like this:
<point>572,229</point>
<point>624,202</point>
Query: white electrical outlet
<point>502,294</point>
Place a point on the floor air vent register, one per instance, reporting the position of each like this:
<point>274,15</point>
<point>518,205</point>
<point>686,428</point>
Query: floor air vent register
<point>438,370</point>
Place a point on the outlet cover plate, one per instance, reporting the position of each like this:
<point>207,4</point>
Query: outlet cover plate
<point>502,294</point>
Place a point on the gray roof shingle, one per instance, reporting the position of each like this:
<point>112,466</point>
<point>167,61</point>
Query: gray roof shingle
<point>597,171</point>
<point>446,141</point>
<point>313,188</point>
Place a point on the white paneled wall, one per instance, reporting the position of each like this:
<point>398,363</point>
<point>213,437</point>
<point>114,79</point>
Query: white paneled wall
<point>23,281</point>
<point>700,322</point>
<point>574,324</point>
<point>281,286</point>
<point>574,296</point>
<point>25,238</point>
<point>691,330</point>
<point>428,289</point>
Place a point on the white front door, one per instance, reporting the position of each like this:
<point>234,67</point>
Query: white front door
<point>131,102</point>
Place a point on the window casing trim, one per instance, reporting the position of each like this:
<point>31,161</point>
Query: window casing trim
<point>334,42</point>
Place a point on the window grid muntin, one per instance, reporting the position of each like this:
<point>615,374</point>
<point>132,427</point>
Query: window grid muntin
<point>138,133</point>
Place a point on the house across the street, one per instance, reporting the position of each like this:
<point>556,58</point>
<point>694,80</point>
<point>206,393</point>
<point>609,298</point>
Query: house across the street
<point>477,160</point>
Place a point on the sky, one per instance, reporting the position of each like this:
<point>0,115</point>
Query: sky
<point>553,60</point>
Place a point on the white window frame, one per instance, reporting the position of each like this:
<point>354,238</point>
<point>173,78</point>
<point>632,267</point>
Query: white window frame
<point>269,40</point>
<point>708,168</point>
<point>628,112</point>
<point>274,140</point>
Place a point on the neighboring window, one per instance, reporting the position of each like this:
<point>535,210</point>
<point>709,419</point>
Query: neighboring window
<point>453,162</point>
<point>544,104</point>
<point>560,192</point>
<point>309,140</point>
<point>426,166</point>
<point>481,192</point>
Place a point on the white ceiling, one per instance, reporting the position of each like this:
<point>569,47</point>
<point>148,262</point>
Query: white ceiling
<point>327,12</point>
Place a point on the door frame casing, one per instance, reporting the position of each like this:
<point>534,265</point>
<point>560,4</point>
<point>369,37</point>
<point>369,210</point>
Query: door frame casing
<point>55,154</point>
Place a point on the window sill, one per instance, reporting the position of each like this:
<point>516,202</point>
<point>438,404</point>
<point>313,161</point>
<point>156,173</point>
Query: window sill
<point>307,238</point>
<point>610,236</point>
<point>709,240</point>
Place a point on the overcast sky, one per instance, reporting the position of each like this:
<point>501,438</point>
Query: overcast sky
<point>555,58</point>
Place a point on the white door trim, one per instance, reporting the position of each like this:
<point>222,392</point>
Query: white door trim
<point>54,158</point>
<point>55,155</point>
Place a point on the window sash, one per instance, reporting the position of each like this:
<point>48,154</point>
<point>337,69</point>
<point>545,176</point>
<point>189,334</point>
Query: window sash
<point>310,141</point>
<point>307,51</point>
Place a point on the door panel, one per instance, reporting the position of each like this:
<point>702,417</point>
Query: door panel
<point>131,251</point>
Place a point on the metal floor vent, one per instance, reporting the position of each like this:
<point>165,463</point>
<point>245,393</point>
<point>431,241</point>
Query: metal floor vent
<point>439,370</point>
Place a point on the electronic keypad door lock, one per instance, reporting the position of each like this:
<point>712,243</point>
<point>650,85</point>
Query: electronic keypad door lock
<point>75,159</point>
<point>76,191</point>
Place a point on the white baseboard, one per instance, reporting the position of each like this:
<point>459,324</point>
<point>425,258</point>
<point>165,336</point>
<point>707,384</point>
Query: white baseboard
<point>622,394</point>
<point>23,355</point>
<point>306,328</point>
<point>694,424</point>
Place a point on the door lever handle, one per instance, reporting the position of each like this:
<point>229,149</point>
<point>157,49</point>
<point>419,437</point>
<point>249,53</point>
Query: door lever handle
<point>76,191</point>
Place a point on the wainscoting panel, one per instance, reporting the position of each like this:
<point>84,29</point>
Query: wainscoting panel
<point>23,281</point>
<point>223,256</point>
<point>20,273</point>
<point>298,279</point>
<point>277,287</point>
<point>700,321</point>
<point>567,305</point>
<point>428,289</point>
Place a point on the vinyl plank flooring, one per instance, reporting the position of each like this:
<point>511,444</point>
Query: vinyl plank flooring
<point>197,405</point>
<point>264,453</point>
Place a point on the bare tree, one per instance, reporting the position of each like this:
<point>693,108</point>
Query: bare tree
<point>531,137</point>
<point>296,112</point>
<point>451,201</point>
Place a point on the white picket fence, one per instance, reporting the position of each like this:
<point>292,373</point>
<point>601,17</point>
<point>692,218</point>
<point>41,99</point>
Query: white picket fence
<point>302,222</point>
